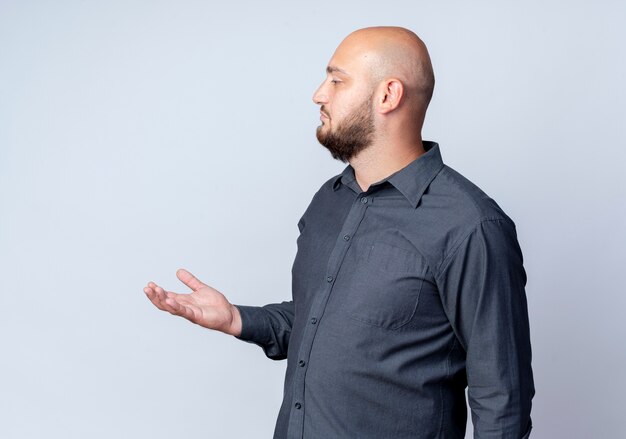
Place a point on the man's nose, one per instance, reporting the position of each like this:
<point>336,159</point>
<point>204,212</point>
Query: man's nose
<point>320,96</point>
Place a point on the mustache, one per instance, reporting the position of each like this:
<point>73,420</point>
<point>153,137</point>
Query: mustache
<point>323,110</point>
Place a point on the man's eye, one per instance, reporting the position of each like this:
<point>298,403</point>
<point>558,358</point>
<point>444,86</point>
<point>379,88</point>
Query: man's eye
<point>334,81</point>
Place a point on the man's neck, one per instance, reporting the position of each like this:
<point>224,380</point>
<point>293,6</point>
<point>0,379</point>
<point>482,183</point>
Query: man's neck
<point>377,162</point>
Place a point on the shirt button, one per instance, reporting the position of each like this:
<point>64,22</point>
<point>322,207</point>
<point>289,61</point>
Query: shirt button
<point>364,200</point>
<point>298,405</point>
<point>313,320</point>
<point>346,237</point>
<point>301,363</point>
<point>329,278</point>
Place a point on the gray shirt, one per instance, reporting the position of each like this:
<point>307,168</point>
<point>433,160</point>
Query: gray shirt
<point>402,296</point>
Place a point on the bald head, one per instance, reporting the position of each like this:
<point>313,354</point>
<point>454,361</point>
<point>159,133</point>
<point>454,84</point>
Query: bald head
<point>393,52</point>
<point>378,85</point>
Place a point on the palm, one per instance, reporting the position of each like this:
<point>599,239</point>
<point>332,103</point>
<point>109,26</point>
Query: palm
<point>204,306</point>
<point>208,305</point>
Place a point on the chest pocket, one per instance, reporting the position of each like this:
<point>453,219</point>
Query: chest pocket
<point>385,285</point>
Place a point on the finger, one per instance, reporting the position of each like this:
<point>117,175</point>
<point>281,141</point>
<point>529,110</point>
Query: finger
<point>155,298</point>
<point>162,297</point>
<point>189,279</point>
<point>151,293</point>
<point>150,290</point>
<point>158,297</point>
<point>152,285</point>
<point>179,309</point>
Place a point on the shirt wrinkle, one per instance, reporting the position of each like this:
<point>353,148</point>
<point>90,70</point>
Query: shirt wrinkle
<point>455,247</point>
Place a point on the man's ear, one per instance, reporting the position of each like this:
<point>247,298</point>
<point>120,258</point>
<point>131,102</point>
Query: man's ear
<point>391,95</point>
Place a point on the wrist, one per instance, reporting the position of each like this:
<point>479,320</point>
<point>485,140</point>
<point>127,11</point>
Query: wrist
<point>236,323</point>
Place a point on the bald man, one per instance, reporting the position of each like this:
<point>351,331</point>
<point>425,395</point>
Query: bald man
<point>408,283</point>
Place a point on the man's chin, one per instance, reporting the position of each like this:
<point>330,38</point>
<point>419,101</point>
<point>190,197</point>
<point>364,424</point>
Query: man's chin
<point>321,134</point>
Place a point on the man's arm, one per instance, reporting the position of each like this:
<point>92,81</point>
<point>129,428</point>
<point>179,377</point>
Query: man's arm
<point>268,326</point>
<point>204,306</point>
<point>482,285</point>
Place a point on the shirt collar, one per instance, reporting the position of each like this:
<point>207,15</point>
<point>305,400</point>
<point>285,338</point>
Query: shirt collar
<point>412,180</point>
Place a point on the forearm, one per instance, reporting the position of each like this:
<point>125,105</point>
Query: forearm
<point>267,326</point>
<point>501,388</point>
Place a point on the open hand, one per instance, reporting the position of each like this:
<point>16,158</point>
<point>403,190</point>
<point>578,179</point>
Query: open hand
<point>204,306</point>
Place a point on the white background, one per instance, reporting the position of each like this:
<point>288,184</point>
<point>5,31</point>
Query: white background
<point>139,137</point>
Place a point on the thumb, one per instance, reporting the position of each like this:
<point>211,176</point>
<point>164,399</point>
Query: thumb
<point>189,279</point>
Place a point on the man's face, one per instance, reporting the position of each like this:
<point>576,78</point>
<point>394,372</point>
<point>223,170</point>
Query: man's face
<point>346,109</point>
<point>351,134</point>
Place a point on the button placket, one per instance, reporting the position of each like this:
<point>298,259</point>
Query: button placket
<point>350,226</point>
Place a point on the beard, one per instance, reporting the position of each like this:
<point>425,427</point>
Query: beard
<point>352,135</point>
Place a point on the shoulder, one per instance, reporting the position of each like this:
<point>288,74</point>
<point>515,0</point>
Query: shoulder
<point>452,209</point>
<point>321,203</point>
<point>325,192</point>
<point>468,202</point>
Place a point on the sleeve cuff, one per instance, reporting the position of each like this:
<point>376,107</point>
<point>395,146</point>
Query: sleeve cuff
<point>254,324</point>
